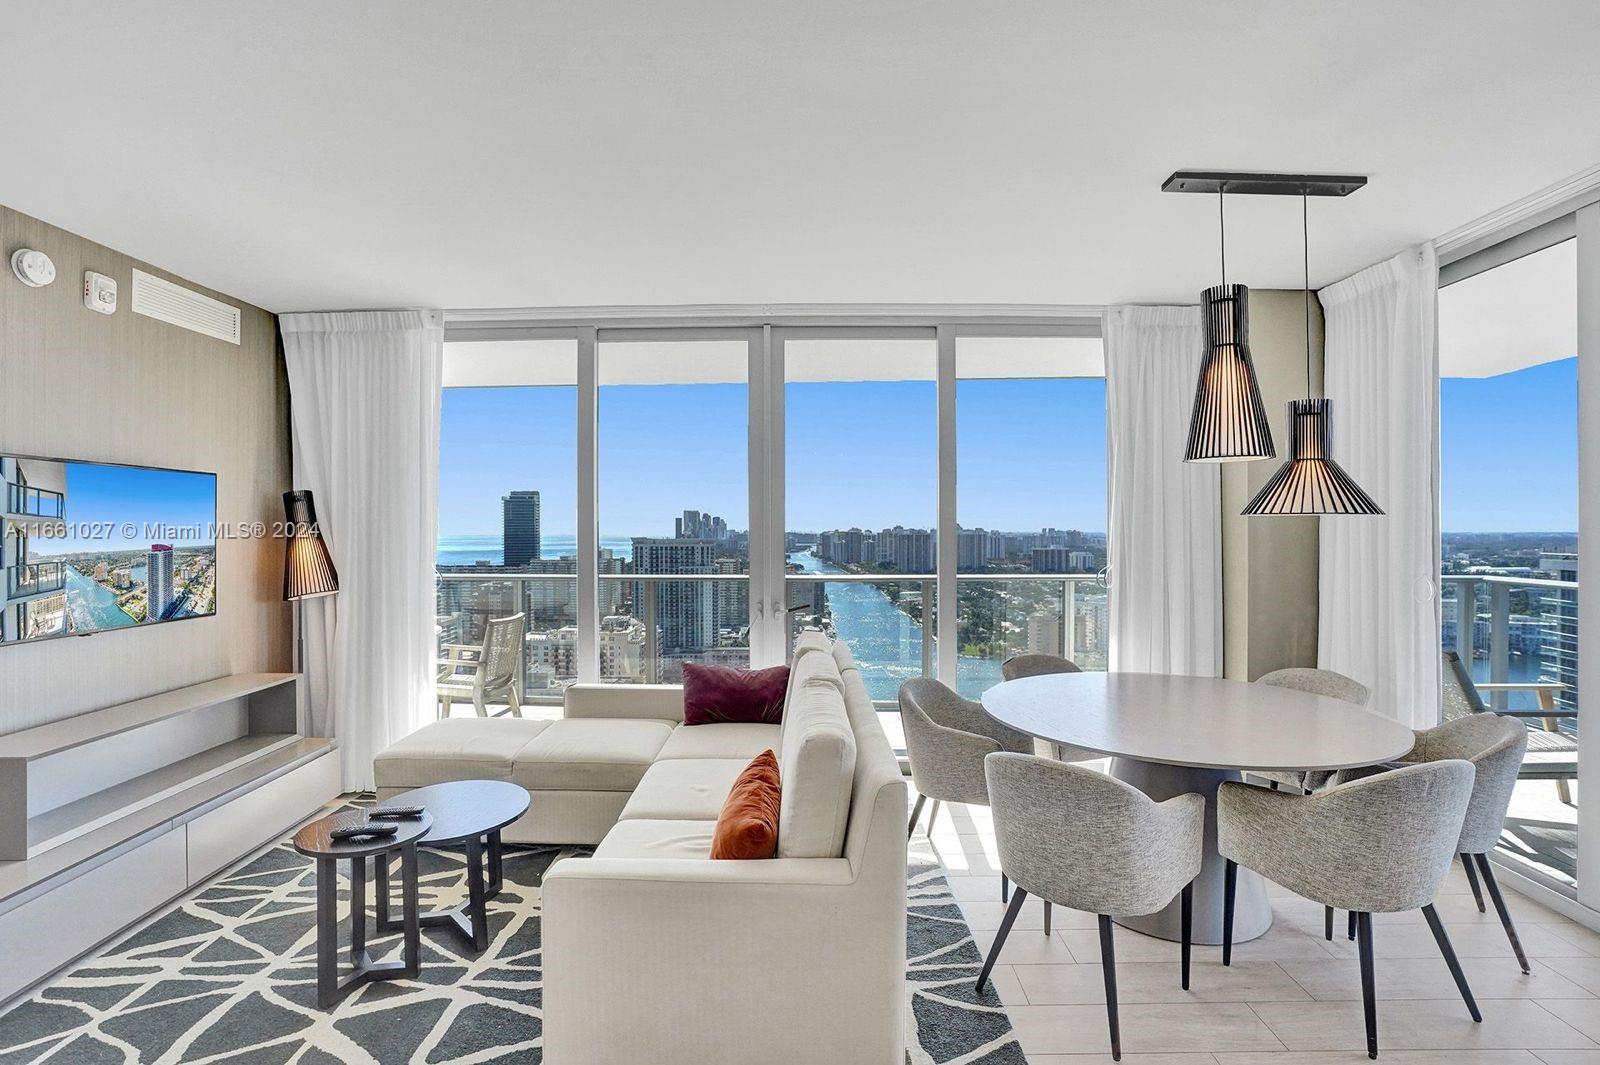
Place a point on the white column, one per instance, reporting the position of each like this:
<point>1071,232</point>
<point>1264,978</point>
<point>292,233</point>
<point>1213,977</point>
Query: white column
<point>948,621</point>
<point>588,519</point>
<point>1589,546</point>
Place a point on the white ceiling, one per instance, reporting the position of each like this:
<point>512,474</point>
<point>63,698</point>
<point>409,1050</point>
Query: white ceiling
<point>367,153</point>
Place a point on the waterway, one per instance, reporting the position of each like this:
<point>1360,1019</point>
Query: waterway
<point>885,642</point>
<point>91,607</point>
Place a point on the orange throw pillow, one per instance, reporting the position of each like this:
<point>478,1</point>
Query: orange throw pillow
<point>748,825</point>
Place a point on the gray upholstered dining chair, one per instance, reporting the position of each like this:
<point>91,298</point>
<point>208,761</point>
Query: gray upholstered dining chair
<point>1316,682</point>
<point>1377,845</point>
<point>1040,665</point>
<point>1083,839</point>
<point>947,738</point>
<point>1495,747</point>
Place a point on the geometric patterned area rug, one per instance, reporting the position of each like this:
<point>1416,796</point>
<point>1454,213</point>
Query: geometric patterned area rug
<point>228,974</point>
<point>947,1022</point>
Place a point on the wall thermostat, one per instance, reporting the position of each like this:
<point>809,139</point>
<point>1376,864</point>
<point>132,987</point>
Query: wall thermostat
<point>33,268</point>
<point>99,292</point>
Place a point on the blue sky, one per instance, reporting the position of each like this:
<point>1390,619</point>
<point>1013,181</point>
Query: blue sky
<point>108,496</point>
<point>1030,454</point>
<point>1509,450</point>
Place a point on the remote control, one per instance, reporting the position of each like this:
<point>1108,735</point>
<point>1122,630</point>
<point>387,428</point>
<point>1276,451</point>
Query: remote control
<point>395,812</point>
<point>357,831</point>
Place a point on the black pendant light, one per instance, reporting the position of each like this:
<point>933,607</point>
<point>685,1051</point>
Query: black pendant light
<point>1229,422</point>
<point>1310,482</point>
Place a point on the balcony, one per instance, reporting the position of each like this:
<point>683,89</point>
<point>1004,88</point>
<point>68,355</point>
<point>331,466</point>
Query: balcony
<point>30,502</point>
<point>37,578</point>
<point>1523,635</point>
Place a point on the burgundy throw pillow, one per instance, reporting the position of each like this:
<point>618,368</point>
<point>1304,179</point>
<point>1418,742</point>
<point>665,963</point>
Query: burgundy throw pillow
<point>716,693</point>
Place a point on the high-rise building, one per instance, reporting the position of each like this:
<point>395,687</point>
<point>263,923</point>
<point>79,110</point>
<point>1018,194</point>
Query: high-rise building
<point>685,611</point>
<point>1560,647</point>
<point>1044,633</point>
<point>1061,560</point>
<point>157,581</point>
<point>520,532</point>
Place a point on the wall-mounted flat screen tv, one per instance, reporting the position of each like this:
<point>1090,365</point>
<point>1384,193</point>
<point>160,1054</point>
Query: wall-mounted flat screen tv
<point>87,547</point>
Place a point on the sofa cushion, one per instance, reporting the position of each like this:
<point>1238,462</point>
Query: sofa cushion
<point>590,754</point>
<point>812,660</point>
<point>649,838</point>
<point>732,739</point>
<point>684,789</point>
<point>457,748</point>
<point>817,765</point>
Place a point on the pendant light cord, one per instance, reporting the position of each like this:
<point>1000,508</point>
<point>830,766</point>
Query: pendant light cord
<point>1305,244</point>
<point>1222,229</point>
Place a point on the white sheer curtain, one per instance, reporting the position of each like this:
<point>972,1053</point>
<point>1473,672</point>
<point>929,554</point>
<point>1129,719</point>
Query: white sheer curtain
<point>364,401</point>
<point>1165,536</point>
<point>1378,619</point>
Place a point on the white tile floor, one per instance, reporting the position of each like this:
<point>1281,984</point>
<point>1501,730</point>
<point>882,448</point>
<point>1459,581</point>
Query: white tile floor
<point>1290,997</point>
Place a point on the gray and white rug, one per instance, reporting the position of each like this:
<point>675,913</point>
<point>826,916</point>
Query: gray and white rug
<point>227,974</point>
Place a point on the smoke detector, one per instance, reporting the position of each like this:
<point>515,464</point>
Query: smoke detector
<point>33,268</point>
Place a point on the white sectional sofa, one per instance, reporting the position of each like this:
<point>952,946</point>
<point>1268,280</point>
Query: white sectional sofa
<point>652,951</point>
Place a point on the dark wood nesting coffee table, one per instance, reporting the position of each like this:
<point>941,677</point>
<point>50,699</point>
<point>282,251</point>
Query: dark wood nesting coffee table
<point>315,842</point>
<point>470,812</point>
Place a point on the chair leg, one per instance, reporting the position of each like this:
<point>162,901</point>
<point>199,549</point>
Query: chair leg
<point>1187,910</point>
<point>1230,881</point>
<point>1005,888</point>
<point>1108,966</point>
<point>1450,959</point>
<point>1472,881</point>
<point>933,815</point>
<point>1354,924</point>
<point>1047,919</point>
<point>1000,937</point>
<point>1369,1000</point>
<point>1486,871</point>
<point>916,812</point>
<point>1327,923</point>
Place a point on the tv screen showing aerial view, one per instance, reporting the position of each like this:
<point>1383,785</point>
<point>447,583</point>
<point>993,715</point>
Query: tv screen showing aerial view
<point>89,547</point>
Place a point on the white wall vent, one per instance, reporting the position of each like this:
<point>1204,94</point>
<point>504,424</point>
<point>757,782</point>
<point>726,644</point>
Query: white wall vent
<point>156,297</point>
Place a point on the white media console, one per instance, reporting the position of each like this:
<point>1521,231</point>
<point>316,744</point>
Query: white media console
<point>107,815</point>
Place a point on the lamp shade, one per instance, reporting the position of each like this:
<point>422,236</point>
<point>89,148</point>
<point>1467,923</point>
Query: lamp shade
<point>1310,482</point>
<point>1229,422</point>
<point>307,568</point>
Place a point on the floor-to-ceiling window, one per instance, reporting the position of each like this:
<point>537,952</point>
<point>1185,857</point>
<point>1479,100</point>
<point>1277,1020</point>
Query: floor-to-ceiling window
<point>674,514</point>
<point>1509,519</point>
<point>507,509</point>
<point>1031,503</point>
<point>861,507</point>
<point>657,494</point>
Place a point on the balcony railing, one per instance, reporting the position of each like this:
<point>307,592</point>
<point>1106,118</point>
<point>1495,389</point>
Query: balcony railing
<point>37,578</point>
<point>652,623</point>
<point>1538,641</point>
<point>34,502</point>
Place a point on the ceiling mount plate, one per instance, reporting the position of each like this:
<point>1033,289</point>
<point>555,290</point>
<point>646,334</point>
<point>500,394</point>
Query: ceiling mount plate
<point>1256,183</point>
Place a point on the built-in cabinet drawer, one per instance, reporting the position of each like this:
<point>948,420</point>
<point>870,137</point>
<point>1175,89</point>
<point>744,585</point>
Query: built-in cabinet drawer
<point>49,931</point>
<point>224,835</point>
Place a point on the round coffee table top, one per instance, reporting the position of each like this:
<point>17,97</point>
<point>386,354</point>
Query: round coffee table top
<point>463,809</point>
<point>1203,722</point>
<point>314,842</point>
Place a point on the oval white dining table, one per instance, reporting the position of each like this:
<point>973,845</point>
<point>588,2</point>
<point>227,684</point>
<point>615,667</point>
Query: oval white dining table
<point>1169,735</point>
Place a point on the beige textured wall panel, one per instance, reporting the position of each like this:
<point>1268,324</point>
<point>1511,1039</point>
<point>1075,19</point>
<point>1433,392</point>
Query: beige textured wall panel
<point>1269,564</point>
<point>126,388</point>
